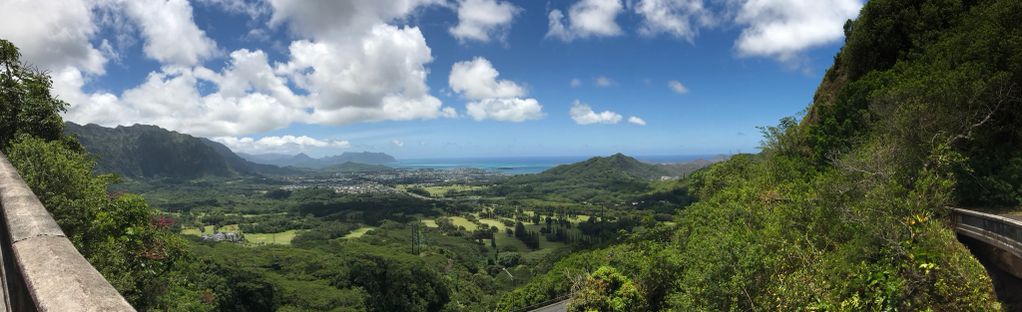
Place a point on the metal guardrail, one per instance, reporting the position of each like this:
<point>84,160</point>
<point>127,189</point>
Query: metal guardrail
<point>1001,232</point>
<point>42,270</point>
<point>544,303</point>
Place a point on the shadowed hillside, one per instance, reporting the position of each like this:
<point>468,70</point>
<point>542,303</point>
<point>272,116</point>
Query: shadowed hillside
<point>150,151</point>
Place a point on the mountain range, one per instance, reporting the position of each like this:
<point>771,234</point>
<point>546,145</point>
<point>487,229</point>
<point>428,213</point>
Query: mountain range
<point>145,151</point>
<point>149,151</point>
<point>301,160</point>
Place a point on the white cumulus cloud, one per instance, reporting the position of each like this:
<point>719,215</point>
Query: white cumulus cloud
<point>584,115</point>
<point>677,87</point>
<point>278,144</point>
<point>477,79</point>
<point>249,99</point>
<point>355,66</point>
<point>335,19</point>
<point>505,109</point>
<point>678,18</point>
<point>782,28</point>
<point>338,71</point>
<point>171,36</point>
<point>381,76</point>
<point>53,34</point>
<point>636,121</point>
<point>483,20</point>
<point>586,18</point>
<point>491,98</point>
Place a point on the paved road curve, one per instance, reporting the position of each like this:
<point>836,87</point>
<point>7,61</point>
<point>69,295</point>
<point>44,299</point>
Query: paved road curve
<point>560,306</point>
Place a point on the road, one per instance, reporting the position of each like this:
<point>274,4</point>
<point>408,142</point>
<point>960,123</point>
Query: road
<point>560,306</point>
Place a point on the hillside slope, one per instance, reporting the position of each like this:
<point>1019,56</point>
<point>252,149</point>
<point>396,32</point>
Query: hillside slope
<point>149,151</point>
<point>846,210</point>
<point>611,179</point>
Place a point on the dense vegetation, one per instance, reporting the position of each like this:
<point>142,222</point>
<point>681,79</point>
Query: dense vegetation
<point>842,210</point>
<point>845,210</point>
<point>118,233</point>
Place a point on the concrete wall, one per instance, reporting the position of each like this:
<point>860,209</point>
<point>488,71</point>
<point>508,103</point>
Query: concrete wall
<point>42,262</point>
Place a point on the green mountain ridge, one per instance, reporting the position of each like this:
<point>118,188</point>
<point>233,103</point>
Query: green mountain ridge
<point>611,179</point>
<point>144,151</point>
<point>617,165</point>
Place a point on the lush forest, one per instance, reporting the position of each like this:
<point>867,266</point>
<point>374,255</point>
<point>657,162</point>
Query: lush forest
<point>845,208</point>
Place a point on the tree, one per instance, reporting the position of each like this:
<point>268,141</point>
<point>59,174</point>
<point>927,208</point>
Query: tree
<point>120,235</point>
<point>26,105</point>
<point>606,290</point>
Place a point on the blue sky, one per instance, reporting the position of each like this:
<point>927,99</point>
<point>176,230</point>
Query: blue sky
<point>436,78</point>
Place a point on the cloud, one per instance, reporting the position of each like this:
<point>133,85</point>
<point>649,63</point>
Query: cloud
<point>381,76</point>
<point>477,79</point>
<point>171,36</point>
<point>584,115</point>
<point>505,109</point>
<point>492,98</point>
<point>254,9</point>
<point>356,67</point>
<point>338,71</point>
<point>278,144</point>
<point>330,19</point>
<point>636,121</point>
<point>483,20</point>
<point>678,18</point>
<point>586,19</point>
<point>677,87</point>
<point>250,98</point>
<point>575,82</point>
<point>781,29</point>
<point>398,143</point>
<point>343,71</point>
<point>603,81</point>
<point>53,34</point>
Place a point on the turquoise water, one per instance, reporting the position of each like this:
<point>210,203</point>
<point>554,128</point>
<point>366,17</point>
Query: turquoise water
<point>524,165</point>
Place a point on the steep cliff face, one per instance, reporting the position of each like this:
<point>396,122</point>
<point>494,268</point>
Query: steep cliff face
<point>929,72</point>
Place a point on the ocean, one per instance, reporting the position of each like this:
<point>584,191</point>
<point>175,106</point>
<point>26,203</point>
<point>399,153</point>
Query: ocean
<point>526,165</point>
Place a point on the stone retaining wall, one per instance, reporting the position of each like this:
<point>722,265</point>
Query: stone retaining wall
<point>41,264</point>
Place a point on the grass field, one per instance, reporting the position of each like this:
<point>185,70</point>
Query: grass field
<point>430,223</point>
<point>358,232</point>
<point>578,219</point>
<point>441,190</point>
<point>461,221</point>
<point>494,223</point>
<point>282,238</point>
